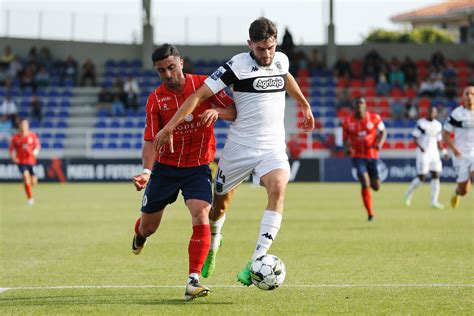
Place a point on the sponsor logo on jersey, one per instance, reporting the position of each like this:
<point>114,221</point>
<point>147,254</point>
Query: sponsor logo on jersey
<point>254,68</point>
<point>230,63</point>
<point>189,117</point>
<point>269,83</point>
<point>218,73</point>
<point>278,65</point>
<point>370,125</point>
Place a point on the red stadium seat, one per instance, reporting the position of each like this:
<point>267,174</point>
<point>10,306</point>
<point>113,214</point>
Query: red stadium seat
<point>397,93</point>
<point>399,145</point>
<point>424,103</point>
<point>355,93</point>
<point>385,114</point>
<point>370,92</point>
<point>303,73</point>
<point>356,83</point>
<point>386,145</point>
<point>369,83</point>
<point>411,93</point>
<point>384,104</point>
<point>342,83</point>
<point>411,145</point>
<point>317,145</point>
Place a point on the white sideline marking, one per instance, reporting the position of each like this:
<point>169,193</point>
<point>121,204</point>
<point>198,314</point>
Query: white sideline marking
<point>64,287</point>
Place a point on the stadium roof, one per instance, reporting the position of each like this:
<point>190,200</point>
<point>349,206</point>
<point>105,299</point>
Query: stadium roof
<point>448,10</point>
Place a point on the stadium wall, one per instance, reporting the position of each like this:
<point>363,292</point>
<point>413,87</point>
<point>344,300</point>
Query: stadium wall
<point>100,52</point>
<point>302,170</point>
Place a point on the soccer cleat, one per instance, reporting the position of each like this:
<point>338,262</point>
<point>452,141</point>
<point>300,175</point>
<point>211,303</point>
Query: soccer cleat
<point>437,205</point>
<point>244,275</point>
<point>370,218</point>
<point>194,290</point>
<point>30,202</point>
<point>138,244</point>
<point>455,200</point>
<point>407,200</point>
<point>210,263</point>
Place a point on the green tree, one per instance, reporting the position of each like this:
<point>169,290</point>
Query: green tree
<point>425,35</point>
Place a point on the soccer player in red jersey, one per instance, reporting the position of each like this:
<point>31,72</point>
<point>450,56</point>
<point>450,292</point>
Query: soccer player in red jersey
<point>184,167</point>
<point>364,134</point>
<point>24,148</point>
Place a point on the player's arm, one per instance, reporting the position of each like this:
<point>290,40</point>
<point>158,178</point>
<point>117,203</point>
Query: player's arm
<point>210,116</point>
<point>148,158</point>
<point>417,132</point>
<point>12,152</point>
<point>294,91</point>
<point>381,135</point>
<point>449,142</point>
<point>345,140</point>
<point>417,142</point>
<point>37,148</point>
<point>165,135</point>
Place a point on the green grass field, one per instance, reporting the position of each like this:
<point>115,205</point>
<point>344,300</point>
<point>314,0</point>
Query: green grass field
<point>70,254</point>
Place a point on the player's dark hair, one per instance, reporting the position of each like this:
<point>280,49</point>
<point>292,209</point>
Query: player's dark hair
<point>262,29</point>
<point>164,51</point>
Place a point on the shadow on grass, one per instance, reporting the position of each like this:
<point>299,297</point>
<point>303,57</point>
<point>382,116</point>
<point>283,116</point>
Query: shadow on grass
<point>102,299</point>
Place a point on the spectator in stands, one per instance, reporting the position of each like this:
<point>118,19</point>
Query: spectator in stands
<point>344,99</point>
<point>6,128</point>
<point>300,61</point>
<point>36,108</point>
<point>45,58</point>
<point>397,108</point>
<point>287,45</point>
<point>104,95</point>
<point>411,110</point>
<point>118,108</point>
<point>132,91</point>
<point>9,110</point>
<point>27,77</point>
<point>342,68</point>
<point>88,73</point>
<point>371,67</point>
<point>451,88</point>
<point>315,61</point>
<point>8,56</point>
<point>3,74</point>
<point>293,147</point>
<point>397,77</point>
<point>42,77</point>
<point>70,70</point>
<point>433,86</point>
<point>438,60</point>
<point>15,68</point>
<point>382,87</point>
<point>409,70</point>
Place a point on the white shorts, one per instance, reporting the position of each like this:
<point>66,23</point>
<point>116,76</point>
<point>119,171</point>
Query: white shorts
<point>425,163</point>
<point>237,162</point>
<point>464,167</point>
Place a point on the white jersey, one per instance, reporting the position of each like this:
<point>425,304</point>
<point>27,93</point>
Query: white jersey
<point>259,96</point>
<point>428,134</point>
<point>461,122</point>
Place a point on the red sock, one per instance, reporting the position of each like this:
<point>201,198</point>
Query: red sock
<point>137,224</point>
<point>367,200</point>
<point>198,247</point>
<point>29,194</point>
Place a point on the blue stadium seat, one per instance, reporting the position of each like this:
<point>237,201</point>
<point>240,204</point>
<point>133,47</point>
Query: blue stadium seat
<point>51,104</point>
<point>45,145</point>
<point>60,135</point>
<point>58,145</point>
<point>98,135</point>
<point>45,135</point>
<point>138,135</point>
<point>122,63</point>
<point>49,114</point>
<point>52,93</point>
<point>66,93</point>
<point>125,145</point>
<point>47,124</point>
<point>110,63</point>
<point>63,114</point>
<point>329,124</point>
<point>399,136</point>
<point>220,145</point>
<point>129,124</point>
<point>65,104</point>
<point>61,124</point>
<point>101,124</point>
<point>127,135</point>
<point>140,124</point>
<point>112,145</point>
<point>113,135</point>
<point>398,124</point>
<point>115,124</point>
<point>4,144</point>
<point>137,63</point>
<point>97,145</point>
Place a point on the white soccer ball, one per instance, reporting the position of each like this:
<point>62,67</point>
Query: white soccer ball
<point>267,272</point>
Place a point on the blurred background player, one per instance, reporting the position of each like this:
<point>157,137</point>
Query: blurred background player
<point>364,134</point>
<point>24,148</point>
<point>461,123</point>
<point>168,171</point>
<point>428,135</point>
<point>256,139</point>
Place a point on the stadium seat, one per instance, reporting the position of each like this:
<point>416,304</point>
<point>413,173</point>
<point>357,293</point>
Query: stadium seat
<point>60,135</point>
<point>98,145</point>
<point>400,145</point>
<point>45,145</point>
<point>58,145</point>
<point>115,124</point>
<point>125,145</point>
<point>138,145</point>
<point>112,145</point>
<point>98,135</point>
<point>61,124</point>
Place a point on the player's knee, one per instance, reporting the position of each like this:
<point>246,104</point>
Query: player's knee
<point>277,190</point>
<point>462,191</point>
<point>421,177</point>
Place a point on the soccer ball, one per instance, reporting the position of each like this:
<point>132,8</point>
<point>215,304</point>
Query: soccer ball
<point>267,272</point>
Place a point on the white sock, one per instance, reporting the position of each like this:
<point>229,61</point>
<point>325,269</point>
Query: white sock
<point>434,190</point>
<point>216,227</point>
<point>269,227</point>
<point>193,276</point>
<point>415,183</point>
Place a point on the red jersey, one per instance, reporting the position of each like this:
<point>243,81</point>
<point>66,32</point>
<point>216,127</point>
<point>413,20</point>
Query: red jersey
<point>24,147</point>
<point>194,144</point>
<point>362,134</point>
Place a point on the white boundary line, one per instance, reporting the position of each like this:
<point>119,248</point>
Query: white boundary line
<point>64,287</point>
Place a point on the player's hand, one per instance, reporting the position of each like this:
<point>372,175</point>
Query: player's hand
<point>16,160</point>
<point>347,151</point>
<point>209,117</point>
<point>140,181</point>
<point>164,137</point>
<point>308,119</point>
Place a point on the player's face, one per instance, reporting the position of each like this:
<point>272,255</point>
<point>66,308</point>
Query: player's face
<point>432,114</point>
<point>468,97</point>
<point>263,51</point>
<point>360,109</point>
<point>24,126</point>
<point>170,71</point>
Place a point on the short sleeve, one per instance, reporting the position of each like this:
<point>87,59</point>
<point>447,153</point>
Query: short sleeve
<point>152,125</point>
<point>224,76</point>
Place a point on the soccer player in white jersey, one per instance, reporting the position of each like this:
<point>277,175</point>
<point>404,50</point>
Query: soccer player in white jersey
<point>256,140</point>
<point>427,134</point>
<point>461,123</point>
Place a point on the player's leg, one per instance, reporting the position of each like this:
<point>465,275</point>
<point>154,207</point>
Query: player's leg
<point>145,226</point>
<point>217,216</point>
<point>465,170</point>
<point>197,192</point>
<point>422,170</point>
<point>27,183</point>
<point>273,172</point>
<point>435,188</point>
<point>363,176</point>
